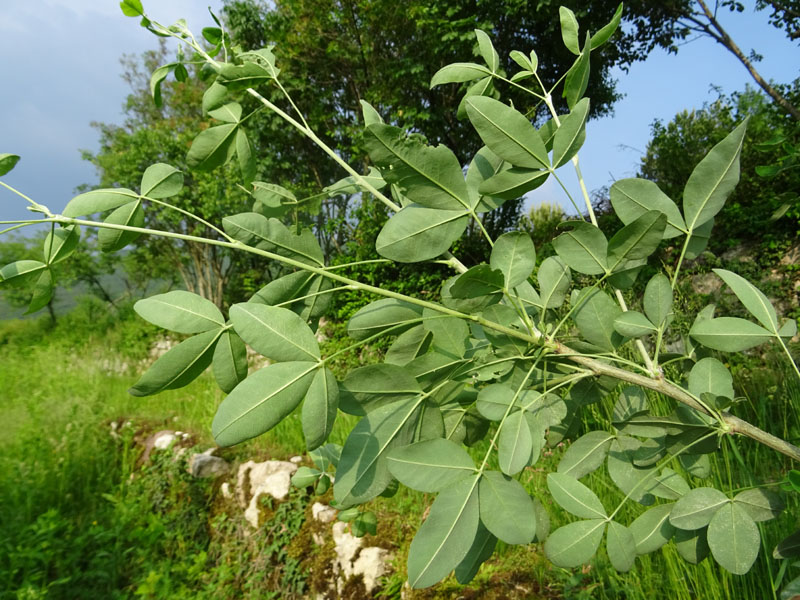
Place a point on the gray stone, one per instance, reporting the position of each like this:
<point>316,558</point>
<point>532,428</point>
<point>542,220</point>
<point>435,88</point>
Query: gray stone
<point>205,465</point>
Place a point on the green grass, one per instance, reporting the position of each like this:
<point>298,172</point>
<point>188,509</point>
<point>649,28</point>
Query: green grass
<point>81,520</point>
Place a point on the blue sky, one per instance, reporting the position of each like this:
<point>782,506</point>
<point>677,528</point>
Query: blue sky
<point>61,71</point>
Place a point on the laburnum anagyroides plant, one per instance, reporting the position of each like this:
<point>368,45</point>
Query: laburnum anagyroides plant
<point>503,361</point>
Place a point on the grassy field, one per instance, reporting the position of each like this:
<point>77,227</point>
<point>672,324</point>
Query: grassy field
<point>80,519</point>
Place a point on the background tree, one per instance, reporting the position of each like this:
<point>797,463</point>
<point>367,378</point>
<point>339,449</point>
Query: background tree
<point>163,133</point>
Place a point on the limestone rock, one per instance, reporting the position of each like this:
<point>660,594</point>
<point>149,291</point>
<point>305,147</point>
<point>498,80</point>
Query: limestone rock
<point>352,559</point>
<point>254,479</point>
<point>164,439</point>
<point>323,513</point>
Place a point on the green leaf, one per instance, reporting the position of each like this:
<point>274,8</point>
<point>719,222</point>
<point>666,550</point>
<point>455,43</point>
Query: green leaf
<point>631,198</point>
<point>569,29</point>
<point>602,36</point>
<point>698,240</point>
<point>21,272</point>
<point>506,316</point>
<point>571,134</point>
<point>494,400</point>
<point>228,113</point>
<point>212,148</point>
<point>513,254</point>
<point>418,233</point>
<point>574,544</point>
<point>156,79</point>
<point>458,73</point>
<point>669,485</point>
<point>584,248</point>
<point>449,333</point>
<point>752,298</point>
<point>408,346</point>
<point>788,547</point>
<point>506,509</point>
<point>709,375</point>
<point>429,176</point>
<point>480,280</point>
<point>652,529</point>
<point>179,366</point>
<point>523,61</point>
<point>99,201</point>
<point>595,319</point>
<point>574,497</point>
<point>363,470</point>
<point>42,292</point>
<point>247,75</point>
<point>230,361</point>
<point>788,329</point>
<point>274,200</point>
<point>760,504</point>
<point>180,311</point>
<point>247,159</point>
<point>542,521</point>
<point>713,179</point>
<point>507,133</point>
<point>261,401</point>
<point>657,299</point>
<point>695,509</point>
<point>691,545</point>
<point>620,546</point>
<point>487,51</point>
<point>554,280</point>
<point>132,8</point>
<point>370,114</point>
<point>213,35</point>
<point>60,243</point>
<point>548,409</point>
<point>350,185</point>
<point>480,551</point>
<point>214,97</point>
<point>577,78</point>
<point>319,408</point>
<point>273,236</point>
<point>513,183</point>
<point>629,478</point>
<point>734,539</point>
<point>633,324</point>
<point>515,443</point>
<point>7,162</point>
<point>446,536</point>
<point>729,334</point>
<point>302,292</point>
<point>130,215</point>
<point>585,454</point>
<point>305,476</point>
<point>430,466</point>
<point>637,240</point>
<point>277,333</point>
<point>381,315</point>
<point>161,181</point>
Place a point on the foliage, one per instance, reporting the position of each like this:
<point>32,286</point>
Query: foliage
<point>493,363</point>
<point>747,217</point>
